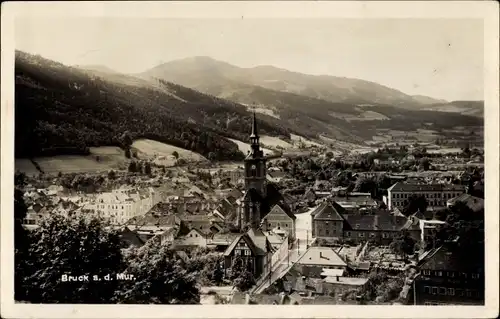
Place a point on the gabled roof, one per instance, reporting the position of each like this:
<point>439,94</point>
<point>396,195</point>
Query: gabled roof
<point>321,256</point>
<point>255,239</point>
<point>328,211</point>
<point>278,208</point>
<point>450,257</point>
<point>474,203</point>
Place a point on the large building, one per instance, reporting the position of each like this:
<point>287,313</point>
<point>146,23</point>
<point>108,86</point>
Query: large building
<point>330,222</point>
<point>450,275</point>
<point>436,194</point>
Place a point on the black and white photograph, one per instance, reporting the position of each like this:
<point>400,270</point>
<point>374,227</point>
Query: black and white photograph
<point>153,157</point>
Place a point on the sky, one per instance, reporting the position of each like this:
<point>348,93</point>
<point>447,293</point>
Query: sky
<point>441,58</point>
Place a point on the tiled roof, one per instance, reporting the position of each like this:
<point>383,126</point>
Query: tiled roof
<point>328,211</point>
<point>279,207</point>
<point>450,257</point>
<point>374,222</point>
<point>405,187</point>
<point>321,256</point>
<point>276,174</point>
<point>474,203</point>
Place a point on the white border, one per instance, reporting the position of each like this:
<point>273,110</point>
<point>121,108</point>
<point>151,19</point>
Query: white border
<point>487,10</point>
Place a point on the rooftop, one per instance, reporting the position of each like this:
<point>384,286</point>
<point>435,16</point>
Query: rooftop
<point>321,256</point>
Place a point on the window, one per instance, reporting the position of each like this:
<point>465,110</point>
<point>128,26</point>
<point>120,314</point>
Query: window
<point>327,232</point>
<point>475,276</point>
<point>237,252</point>
<point>468,292</point>
<point>451,291</point>
<point>434,290</point>
<point>357,226</point>
<point>269,225</point>
<point>451,274</point>
<point>372,235</point>
<point>439,273</point>
<point>385,235</point>
<point>442,291</point>
<point>427,289</point>
<point>348,233</point>
<point>361,235</point>
<point>196,235</point>
<point>247,252</point>
<point>286,225</point>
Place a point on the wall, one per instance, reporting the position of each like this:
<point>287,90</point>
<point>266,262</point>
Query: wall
<point>280,254</point>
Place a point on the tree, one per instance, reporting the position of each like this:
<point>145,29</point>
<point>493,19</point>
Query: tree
<point>21,245</point>
<point>111,174</point>
<point>425,163</point>
<point>403,245</point>
<point>175,154</point>
<point>329,155</point>
<point>127,153</point>
<point>132,167</point>
<point>147,168</point>
<point>160,278</point>
<point>19,178</point>
<point>212,156</point>
<point>416,203</point>
<point>241,276</point>
<point>76,245</point>
<point>365,185</point>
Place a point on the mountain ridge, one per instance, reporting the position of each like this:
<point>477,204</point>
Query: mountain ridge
<point>327,87</point>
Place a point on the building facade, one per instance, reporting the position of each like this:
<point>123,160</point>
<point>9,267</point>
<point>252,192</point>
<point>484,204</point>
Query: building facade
<point>436,195</point>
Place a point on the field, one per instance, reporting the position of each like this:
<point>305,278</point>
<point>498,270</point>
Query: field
<point>101,159</point>
<point>245,147</point>
<point>162,154</point>
<point>298,138</point>
<point>274,142</point>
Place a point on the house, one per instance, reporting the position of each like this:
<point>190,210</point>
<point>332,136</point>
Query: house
<point>435,194</point>
<point>450,276</point>
<point>354,202</point>
<point>476,204</point>
<point>275,176</point>
<point>380,229</point>
<point>280,218</point>
<point>130,238</point>
<point>194,238</point>
<point>313,262</point>
<point>339,284</point>
<point>254,248</point>
<point>327,221</point>
<point>221,241</point>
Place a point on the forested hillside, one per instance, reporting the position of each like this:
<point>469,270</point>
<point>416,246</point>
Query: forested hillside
<point>65,110</point>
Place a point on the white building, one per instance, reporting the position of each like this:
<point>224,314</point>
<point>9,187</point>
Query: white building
<point>436,194</point>
<point>122,204</point>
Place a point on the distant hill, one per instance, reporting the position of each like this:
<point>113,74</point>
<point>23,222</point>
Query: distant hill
<point>425,100</point>
<point>195,72</point>
<point>472,108</point>
<point>63,110</point>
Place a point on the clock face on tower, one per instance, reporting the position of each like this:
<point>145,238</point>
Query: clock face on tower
<point>253,167</point>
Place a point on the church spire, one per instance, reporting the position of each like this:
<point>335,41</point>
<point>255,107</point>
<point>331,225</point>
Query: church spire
<point>255,133</point>
<point>254,139</point>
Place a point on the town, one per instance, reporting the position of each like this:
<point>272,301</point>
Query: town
<point>400,224</point>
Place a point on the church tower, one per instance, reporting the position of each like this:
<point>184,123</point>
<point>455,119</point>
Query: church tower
<point>255,181</point>
<point>255,163</point>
